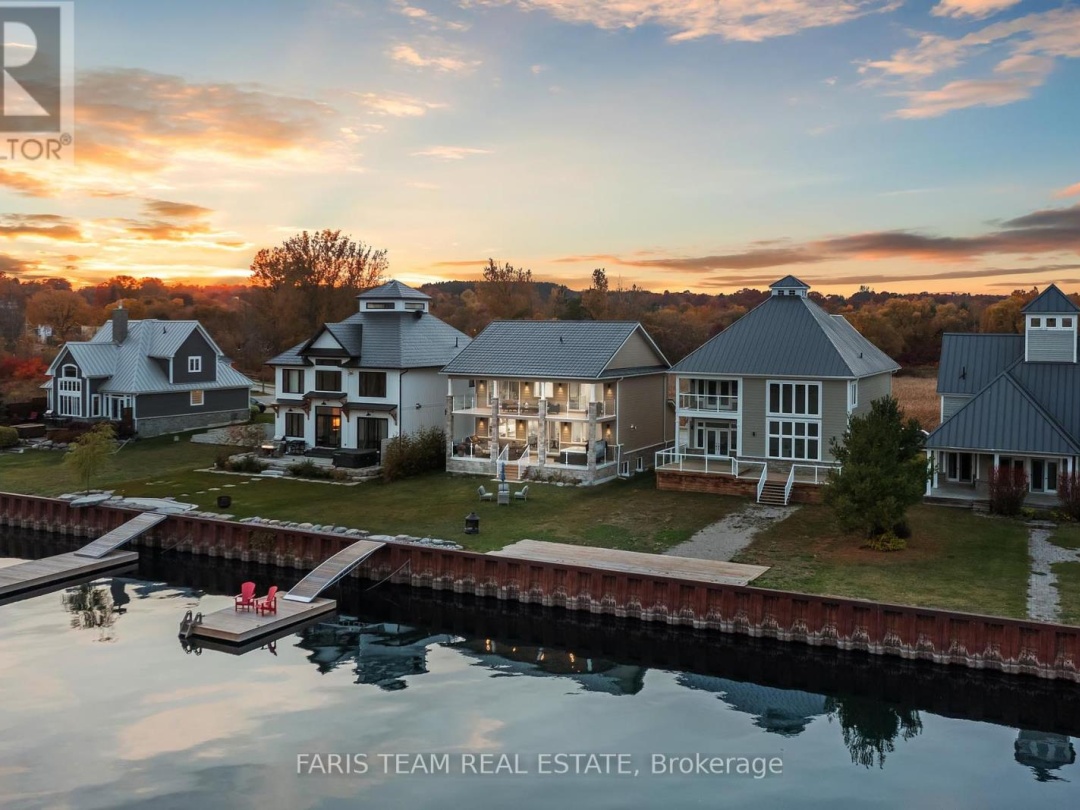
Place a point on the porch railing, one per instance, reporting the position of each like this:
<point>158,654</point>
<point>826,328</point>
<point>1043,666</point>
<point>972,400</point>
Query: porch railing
<point>523,462</point>
<point>820,472</point>
<point>715,403</point>
<point>789,484</point>
<point>761,481</point>
<point>464,402</point>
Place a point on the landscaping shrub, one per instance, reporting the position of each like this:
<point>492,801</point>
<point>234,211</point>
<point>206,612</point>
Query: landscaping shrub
<point>221,462</point>
<point>69,434</point>
<point>9,437</point>
<point>1069,494</point>
<point>243,464</point>
<point>414,454</point>
<point>1008,488</point>
<point>309,469</point>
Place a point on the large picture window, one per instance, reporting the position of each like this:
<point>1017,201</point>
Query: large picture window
<point>796,440</point>
<point>794,399</point>
<point>69,392</point>
<point>294,425</point>
<point>292,381</point>
<point>372,384</point>
<point>327,380</point>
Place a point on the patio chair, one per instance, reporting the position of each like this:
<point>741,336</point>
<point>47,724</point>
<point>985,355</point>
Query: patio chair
<point>268,603</point>
<point>485,495</point>
<point>246,598</point>
<point>522,494</point>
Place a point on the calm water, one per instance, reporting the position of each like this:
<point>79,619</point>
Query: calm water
<point>101,707</point>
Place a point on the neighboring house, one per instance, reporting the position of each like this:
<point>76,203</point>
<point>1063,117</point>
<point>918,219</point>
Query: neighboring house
<point>369,378</point>
<point>1010,400</point>
<point>758,406</point>
<point>585,399</point>
<point>158,376</point>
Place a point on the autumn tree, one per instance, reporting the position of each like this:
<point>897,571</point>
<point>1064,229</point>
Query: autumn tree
<point>311,279</point>
<point>91,453</point>
<point>1007,315</point>
<point>506,292</point>
<point>63,310</point>
<point>595,299</point>
<point>883,470</point>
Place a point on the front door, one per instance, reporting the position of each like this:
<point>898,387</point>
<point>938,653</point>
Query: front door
<point>327,427</point>
<point>1044,475</point>
<point>959,467</point>
<point>716,439</point>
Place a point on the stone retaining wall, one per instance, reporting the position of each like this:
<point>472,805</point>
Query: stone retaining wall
<point>720,484</point>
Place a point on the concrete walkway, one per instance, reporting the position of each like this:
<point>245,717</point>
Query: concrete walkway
<point>727,537</point>
<point>1042,600</point>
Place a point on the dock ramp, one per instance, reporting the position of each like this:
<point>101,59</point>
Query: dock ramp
<point>121,534</point>
<point>330,571</point>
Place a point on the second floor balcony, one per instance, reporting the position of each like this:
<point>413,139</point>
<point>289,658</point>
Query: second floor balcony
<point>709,403</point>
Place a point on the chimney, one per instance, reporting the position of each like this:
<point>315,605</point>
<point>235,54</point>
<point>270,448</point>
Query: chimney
<point>119,324</point>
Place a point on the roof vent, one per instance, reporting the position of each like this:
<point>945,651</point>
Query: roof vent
<point>560,339</point>
<point>963,373</point>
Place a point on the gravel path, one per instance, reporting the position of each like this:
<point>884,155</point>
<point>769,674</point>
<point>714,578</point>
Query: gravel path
<point>1042,601</point>
<point>727,537</point>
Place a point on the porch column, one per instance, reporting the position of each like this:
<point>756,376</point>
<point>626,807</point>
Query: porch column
<point>541,436</point>
<point>449,426</point>
<point>590,445</point>
<point>932,481</point>
<point>493,435</point>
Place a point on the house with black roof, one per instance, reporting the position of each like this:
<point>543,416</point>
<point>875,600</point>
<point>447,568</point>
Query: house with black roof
<point>581,399</point>
<point>1010,401</point>
<point>758,405</point>
<point>375,375</point>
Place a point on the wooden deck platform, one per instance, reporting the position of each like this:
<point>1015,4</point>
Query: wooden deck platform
<point>59,570</point>
<point>244,626</point>
<point>121,534</point>
<point>635,562</point>
<point>331,570</point>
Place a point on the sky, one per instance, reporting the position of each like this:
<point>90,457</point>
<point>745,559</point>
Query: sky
<point>707,145</point>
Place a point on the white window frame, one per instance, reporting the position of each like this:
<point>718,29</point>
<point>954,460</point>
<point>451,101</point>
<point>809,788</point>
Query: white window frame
<point>853,395</point>
<point>194,364</point>
<point>807,385</point>
<point>285,372</point>
<point>201,397</point>
<point>69,394</point>
<point>774,428</point>
<point>95,405</point>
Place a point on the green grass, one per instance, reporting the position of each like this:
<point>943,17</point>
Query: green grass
<point>630,514</point>
<point>1068,585</point>
<point>1066,536</point>
<point>955,560</point>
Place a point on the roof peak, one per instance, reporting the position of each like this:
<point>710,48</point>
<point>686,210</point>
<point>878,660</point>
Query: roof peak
<point>787,282</point>
<point>1052,300</point>
<point>394,289</point>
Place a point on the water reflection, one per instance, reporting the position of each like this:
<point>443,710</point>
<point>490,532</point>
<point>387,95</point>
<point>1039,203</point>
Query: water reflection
<point>870,728</point>
<point>1043,753</point>
<point>93,606</point>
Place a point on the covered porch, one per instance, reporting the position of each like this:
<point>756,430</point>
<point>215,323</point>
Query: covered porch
<point>964,475</point>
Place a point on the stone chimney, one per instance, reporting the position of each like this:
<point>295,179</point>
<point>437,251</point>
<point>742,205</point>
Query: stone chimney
<point>119,324</point>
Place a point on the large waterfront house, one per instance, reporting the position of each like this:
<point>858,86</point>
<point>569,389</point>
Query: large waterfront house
<point>1010,401</point>
<point>155,376</point>
<point>758,405</point>
<point>369,378</point>
<point>583,400</point>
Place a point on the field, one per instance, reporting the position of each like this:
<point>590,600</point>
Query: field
<point>916,391</point>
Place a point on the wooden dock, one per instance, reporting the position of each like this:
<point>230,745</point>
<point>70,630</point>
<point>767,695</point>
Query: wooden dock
<point>634,562</point>
<point>121,534</point>
<point>330,571</point>
<point>59,570</point>
<point>242,627</point>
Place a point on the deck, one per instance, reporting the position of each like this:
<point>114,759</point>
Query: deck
<point>58,570</point>
<point>121,534</point>
<point>244,626</point>
<point>634,562</point>
<point>330,571</point>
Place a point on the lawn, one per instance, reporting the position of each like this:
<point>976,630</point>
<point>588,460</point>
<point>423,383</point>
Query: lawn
<point>629,514</point>
<point>1066,536</point>
<point>1068,585</point>
<point>955,560</point>
<point>916,391</point>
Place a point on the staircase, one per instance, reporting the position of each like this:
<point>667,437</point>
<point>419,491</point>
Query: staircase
<point>513,474</point>
<point>772,494</point>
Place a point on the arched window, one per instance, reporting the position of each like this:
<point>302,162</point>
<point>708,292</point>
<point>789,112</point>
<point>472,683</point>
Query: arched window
<point>69,399</point>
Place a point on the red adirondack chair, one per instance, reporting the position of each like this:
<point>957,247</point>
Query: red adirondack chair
<point>268,603</point>
<point>246,598</point>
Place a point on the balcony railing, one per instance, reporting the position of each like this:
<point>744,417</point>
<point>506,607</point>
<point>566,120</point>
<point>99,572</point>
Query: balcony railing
<point>532,407</point>
<point>464,402</point>
<point>713,403</point>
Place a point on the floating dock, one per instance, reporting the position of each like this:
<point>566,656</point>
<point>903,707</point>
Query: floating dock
<point>714,572</point>
<point>49,573</point>
<point>241,627</point>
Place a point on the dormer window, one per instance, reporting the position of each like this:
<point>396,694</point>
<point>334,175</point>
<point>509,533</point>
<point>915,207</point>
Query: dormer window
<point>194,365</point>
<point>1066,323</point>
<point>1036,323</point>
<point>379,305</point>
<point>417,306</point>
<point>1051,323</point>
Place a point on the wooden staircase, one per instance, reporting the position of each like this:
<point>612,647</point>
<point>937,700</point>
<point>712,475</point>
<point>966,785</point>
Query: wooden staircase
<point>513,475</point>
<point>772,494</point>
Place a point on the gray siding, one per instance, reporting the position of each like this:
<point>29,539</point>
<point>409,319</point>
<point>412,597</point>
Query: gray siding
<point>642,403</point>
<point>872,388</point>
<point>194,346</point>
<point>635,352</point>
<point>951,404</point>
<point>178,402</point>
<point>752,392</point>
<point>834,414</point>
<point>1050,345</point>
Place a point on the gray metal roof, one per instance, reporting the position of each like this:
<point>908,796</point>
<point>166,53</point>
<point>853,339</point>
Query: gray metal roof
<point>131,367</point>
<point>1003,418</point>
<point>1056,387</point>
<point>1051,300</point>
<point>394,289</point>
<point>788,281</point>
<point>546,349</point>
<point>389,340</point>
<point>788,335</point>
<point>969,362</point>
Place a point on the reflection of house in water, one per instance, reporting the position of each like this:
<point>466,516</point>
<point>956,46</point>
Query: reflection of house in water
<point>383,654</point>
<point>780,711</point>
<point>1043,752</point>
<point>594,674</point>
